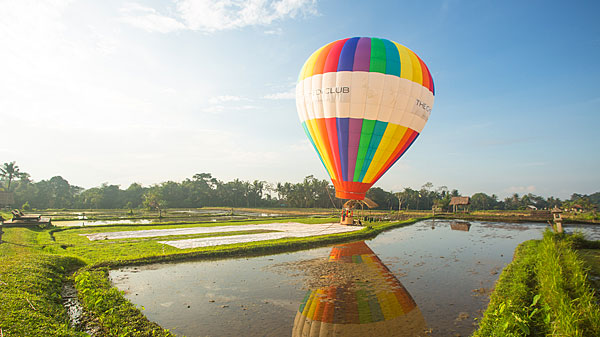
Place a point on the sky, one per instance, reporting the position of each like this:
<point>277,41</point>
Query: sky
<point>151,91</point>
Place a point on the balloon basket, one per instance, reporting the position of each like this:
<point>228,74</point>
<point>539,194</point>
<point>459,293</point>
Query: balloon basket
<point>347,217</point>
<point>349,220</point>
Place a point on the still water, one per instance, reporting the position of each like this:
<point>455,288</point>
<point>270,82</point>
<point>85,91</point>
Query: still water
<point>432,278</point>
<point>203,216</point>
<point>84,222</point>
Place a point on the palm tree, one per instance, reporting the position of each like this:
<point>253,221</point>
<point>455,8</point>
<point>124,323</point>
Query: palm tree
<point>10,171</point>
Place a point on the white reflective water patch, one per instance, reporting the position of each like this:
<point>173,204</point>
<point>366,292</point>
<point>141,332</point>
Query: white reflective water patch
<point>289,230</point>
<point>292,227</point>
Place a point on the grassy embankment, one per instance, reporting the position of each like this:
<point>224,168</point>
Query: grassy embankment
<point>544,291</point>
<point>31,281</point>
<point>36,262</point>
<point>30,286</point>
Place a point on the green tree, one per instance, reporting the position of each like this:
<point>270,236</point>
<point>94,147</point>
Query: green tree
<point>384,199</point>
<point>154,200</point>
<point>134,195</point>
<point>482,201</point>
<point>10,171</point>
<point>513,202</point>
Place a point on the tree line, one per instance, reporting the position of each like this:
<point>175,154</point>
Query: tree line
<point>204,190</point>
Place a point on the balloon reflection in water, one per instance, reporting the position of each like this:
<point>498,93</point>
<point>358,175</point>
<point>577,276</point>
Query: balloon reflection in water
<point>361,297</point>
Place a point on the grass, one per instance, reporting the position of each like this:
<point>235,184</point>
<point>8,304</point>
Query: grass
<point>30,287</point>
<point>116,315</point>
<point>544,291</point>
<point>591,259</point>
<point>512,305</point>
<point>569,301</point>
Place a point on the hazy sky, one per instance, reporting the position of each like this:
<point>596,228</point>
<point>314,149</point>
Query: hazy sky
<point>150,91</point>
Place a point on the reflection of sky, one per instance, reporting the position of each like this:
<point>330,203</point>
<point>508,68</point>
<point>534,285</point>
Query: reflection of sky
<point>441,267</point>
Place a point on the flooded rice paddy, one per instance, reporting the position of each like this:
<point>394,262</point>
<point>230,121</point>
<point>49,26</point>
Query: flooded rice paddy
<point>83,222</point>
<point>183,216</point>
<point>432,278</point>
<point>277,230</point>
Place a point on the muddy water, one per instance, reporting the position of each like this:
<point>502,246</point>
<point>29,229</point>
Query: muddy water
<point>425,279</point>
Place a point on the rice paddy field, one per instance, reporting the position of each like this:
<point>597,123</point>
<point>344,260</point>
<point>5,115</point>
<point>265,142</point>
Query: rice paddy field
<point>56,281</point>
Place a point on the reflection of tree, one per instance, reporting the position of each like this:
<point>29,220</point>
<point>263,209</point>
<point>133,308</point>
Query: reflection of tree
<point>357,295</point>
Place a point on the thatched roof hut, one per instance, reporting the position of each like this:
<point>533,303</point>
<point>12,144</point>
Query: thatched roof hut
<point>460,201</point>
<point>366,201</point>
<point>455,202</point>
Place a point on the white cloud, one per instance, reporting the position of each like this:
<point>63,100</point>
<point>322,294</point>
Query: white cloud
<point>290,94</point>
<point>218,108</point>
<point>105,44</point>
<point>149,19</point>
<point>216,15</point>
<point>276,31</point>
<point>225,98</point>
<point>218,104</point>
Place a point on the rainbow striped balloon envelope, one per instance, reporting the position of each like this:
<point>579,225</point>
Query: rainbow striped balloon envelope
<point>362,102</point>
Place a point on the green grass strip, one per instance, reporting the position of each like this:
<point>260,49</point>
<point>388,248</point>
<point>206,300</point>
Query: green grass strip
<point>545,291</point>
<point>30,287</point>
<point>513,304</point>
<point>117,316</point>
<point>564,288</point>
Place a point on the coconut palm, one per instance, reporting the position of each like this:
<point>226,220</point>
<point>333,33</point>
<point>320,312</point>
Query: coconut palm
<point>10,171</point>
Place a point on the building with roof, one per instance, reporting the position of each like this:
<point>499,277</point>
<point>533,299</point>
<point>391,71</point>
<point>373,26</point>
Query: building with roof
<point>460,202</point>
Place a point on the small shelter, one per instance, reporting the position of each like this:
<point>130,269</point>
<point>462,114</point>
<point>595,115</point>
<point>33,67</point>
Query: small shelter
<point>457,202</point>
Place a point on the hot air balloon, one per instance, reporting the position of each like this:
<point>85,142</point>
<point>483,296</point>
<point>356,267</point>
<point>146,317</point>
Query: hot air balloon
<point>368,301</point>
<point>362,102</point>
